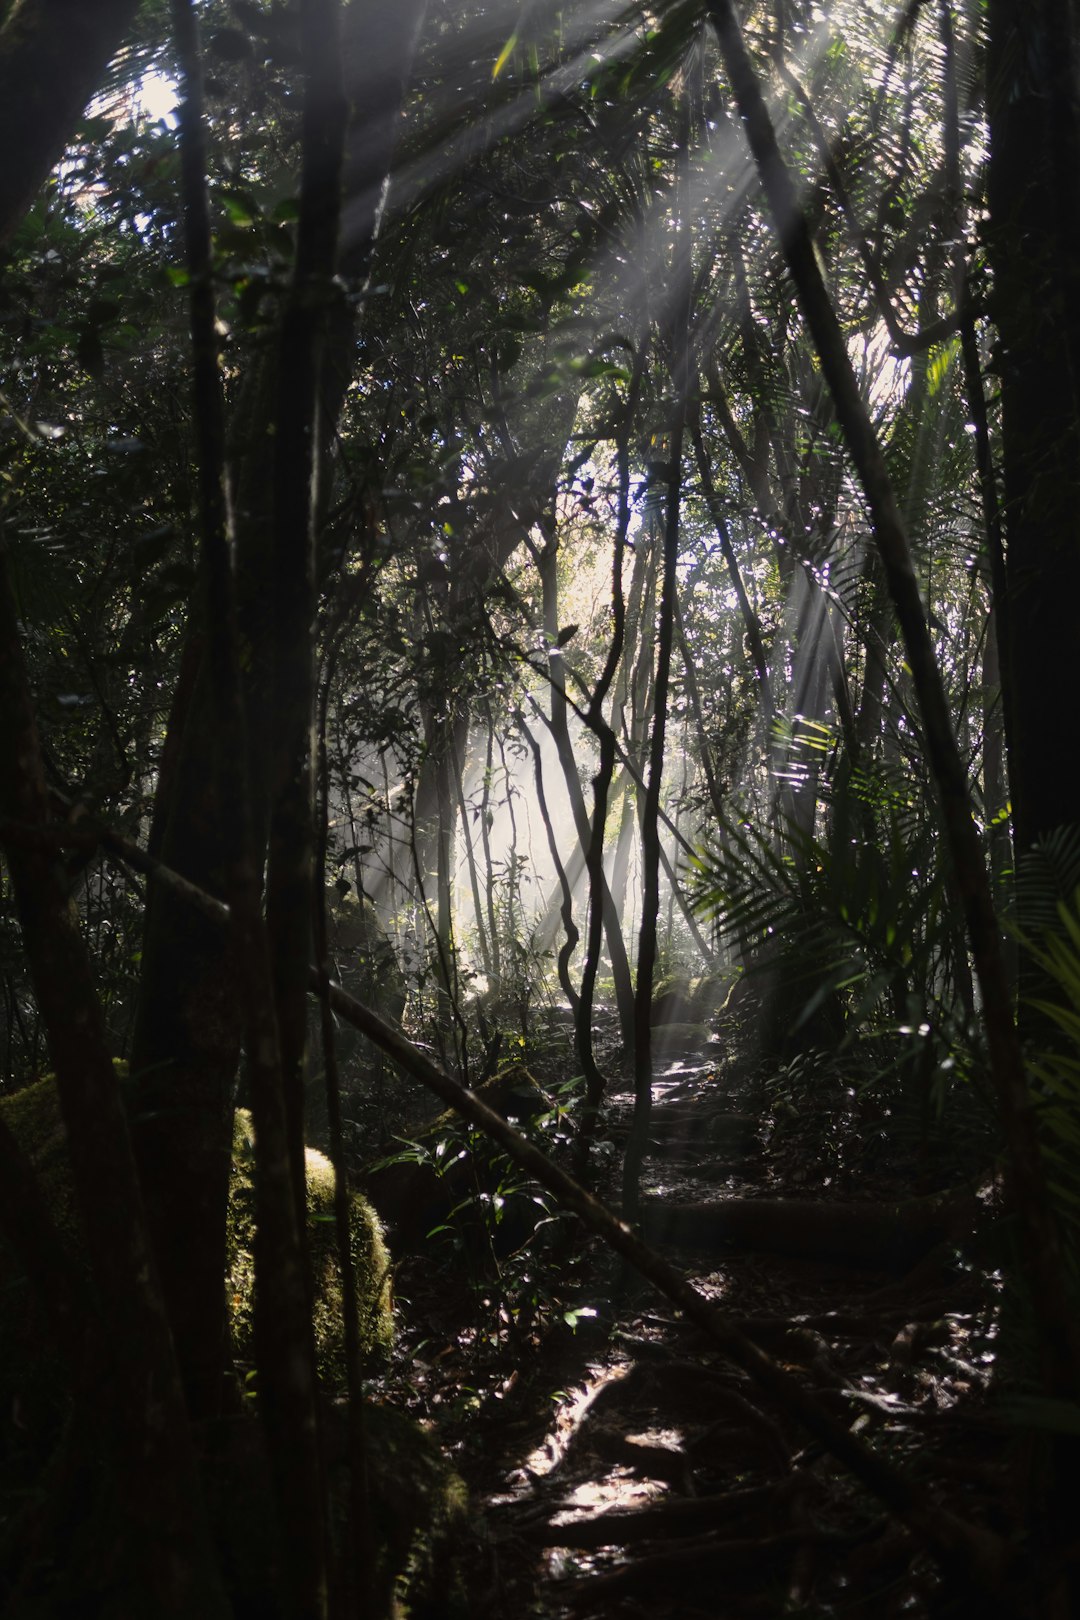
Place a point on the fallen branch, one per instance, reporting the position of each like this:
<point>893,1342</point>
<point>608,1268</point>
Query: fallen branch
<point>975,1553</point>
<point>972,1552</point>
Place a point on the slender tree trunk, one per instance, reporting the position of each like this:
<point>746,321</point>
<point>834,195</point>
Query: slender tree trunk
<point>458,775</point>
<point>157,1482</point>
<point>679,342</point>
<point>571,935</point>
<point>560,731</point>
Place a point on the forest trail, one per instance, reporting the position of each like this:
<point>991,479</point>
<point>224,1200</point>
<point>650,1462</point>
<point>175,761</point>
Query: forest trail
<point>620,1466</point>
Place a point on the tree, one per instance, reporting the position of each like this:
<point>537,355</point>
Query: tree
<point>585,428</point>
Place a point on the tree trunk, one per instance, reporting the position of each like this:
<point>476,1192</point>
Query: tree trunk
<point>189,1019</point>
<point>53,54</point>
<point>1034,238</point>
<point>173,1569</point>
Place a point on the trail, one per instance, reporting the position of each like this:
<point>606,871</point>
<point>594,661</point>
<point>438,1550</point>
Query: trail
<point>620,1466</point>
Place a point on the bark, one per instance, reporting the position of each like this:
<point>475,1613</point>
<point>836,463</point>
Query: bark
<point>1034,195</point>
<point>283,1333</point>
<point>156,1473</point>
<point>296,501</point>
<point>571,936</point>
<point>1039,1236</point>
<point>53,56</point>
<point>458,782</point>
<point>650,818</point>
<point>558,724</point>
<point>189,1017</point>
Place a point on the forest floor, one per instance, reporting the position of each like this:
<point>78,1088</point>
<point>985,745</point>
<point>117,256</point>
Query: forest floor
<point>619,1465</point>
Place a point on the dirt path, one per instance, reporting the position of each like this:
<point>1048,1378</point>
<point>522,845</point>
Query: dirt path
<point>622,1467</point>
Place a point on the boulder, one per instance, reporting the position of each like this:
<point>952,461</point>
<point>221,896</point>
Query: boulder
<point>34,1117</point>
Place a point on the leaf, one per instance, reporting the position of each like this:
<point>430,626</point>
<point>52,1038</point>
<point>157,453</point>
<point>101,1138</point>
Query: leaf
<point>504,56</point>
<point>241,206</point>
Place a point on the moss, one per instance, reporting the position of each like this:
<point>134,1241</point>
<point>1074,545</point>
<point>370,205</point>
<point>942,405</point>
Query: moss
<point>371,1261</point>
<point>34,1117</point>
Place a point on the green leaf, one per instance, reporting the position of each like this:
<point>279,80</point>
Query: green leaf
<point>504,56</point>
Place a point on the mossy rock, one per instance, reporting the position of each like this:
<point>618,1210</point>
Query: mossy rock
<point>34,1117</point>
<point>370,1259</point>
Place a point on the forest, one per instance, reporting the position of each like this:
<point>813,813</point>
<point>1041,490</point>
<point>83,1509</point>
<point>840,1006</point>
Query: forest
<point>539,851</point>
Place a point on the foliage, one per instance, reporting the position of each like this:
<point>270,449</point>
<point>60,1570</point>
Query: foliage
<point>858,950</point>
<point>496,472</point>
<point>450,1191</point>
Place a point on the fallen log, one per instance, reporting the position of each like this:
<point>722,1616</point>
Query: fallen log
<point>884,1237</point>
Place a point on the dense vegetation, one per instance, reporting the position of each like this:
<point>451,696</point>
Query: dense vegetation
<point>538,543</point>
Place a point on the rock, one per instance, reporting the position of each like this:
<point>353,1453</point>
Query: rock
<point>35,1119</point>
<point>370,1258</point>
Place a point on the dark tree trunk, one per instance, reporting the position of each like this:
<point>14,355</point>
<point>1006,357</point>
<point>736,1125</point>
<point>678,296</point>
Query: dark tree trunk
<point>156,1476</point>
<point>53,54</point>
<point>189,1017</point>
<point>1035,250</point>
